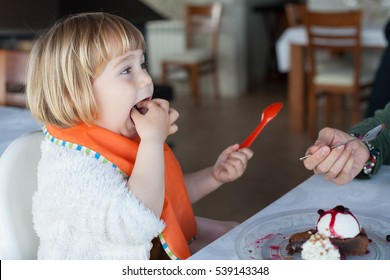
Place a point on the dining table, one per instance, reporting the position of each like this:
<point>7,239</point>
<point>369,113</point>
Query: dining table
<point>290,53</point>
<point>265,234</point>
<point>14,122</point>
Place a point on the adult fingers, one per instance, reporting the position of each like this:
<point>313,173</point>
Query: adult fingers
<point>316,157</point>
<point>333,167</point>
<point>328,161</point>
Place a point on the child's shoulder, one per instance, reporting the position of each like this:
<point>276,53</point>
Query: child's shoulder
<point>69,163</point>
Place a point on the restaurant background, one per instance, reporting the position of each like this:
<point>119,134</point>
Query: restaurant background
<point>249,82</point>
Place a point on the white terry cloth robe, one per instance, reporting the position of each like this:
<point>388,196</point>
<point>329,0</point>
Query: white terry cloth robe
<point>84,210</point>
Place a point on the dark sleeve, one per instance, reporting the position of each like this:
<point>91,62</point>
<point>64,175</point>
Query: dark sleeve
<point>380,91</point>
<point>382,143</point>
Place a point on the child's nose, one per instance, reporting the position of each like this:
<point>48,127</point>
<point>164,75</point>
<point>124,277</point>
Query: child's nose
<point>144,79</point>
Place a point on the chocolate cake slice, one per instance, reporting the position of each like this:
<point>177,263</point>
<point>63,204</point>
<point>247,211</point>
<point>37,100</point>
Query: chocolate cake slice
<point>297,239</point>
<point>348,236</point>
<point>356,246</point>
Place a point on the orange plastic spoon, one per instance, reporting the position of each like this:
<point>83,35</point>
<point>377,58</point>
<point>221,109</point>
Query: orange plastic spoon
<point>268,114</point>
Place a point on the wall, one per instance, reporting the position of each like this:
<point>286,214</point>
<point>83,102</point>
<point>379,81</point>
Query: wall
<point>172,9</point>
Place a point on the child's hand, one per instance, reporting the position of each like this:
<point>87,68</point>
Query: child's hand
<point>231,164</point>
<point>158,122</point>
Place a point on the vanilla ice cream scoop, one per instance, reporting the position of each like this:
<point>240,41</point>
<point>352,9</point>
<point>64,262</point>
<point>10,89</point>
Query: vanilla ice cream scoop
<point>338,222</point>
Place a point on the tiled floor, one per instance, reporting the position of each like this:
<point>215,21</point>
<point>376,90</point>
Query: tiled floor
<point>204,132</point>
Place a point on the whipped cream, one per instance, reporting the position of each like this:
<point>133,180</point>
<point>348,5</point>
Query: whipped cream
<point>319,247</point>
<point>338,222</point>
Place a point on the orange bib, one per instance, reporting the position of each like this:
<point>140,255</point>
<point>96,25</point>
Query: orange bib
<point>121,152</point>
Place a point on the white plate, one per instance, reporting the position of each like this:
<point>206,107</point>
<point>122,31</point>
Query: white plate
<point>267,238</point>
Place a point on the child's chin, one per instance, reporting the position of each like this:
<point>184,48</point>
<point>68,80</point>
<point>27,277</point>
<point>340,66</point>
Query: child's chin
<point>130,135</point>
<point>129,131</point>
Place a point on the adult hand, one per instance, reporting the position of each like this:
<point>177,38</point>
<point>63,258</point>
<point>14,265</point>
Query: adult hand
<point>339,165</point>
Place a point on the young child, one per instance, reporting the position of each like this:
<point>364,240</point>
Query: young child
<point>108,185</point>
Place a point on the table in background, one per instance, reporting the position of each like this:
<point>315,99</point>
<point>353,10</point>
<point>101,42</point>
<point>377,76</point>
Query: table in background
<point>15,122</point>
<point>290,56</point>
<point>367,196</point>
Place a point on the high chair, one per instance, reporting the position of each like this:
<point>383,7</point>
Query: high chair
<point>18,182</point>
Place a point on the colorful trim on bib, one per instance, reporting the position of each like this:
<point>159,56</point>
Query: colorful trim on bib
<point>166,247</point>
<point>80,148</point>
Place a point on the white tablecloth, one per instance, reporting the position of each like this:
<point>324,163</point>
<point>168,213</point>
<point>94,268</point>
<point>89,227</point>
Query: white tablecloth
<point>365,196</point>
<point>371,37</point>
<point>15,122</point>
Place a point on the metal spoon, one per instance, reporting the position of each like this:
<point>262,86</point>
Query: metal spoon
<point>268,114</point>
<point>369,136</point>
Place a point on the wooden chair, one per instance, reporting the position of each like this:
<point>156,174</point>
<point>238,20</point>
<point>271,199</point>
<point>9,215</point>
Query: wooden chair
<point>339,73</point>
<point>295,13</point>
<point>202,24</point>
<point>12,77</point>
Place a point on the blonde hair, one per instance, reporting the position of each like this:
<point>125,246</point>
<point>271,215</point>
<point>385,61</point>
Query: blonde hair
<point>67,58</point>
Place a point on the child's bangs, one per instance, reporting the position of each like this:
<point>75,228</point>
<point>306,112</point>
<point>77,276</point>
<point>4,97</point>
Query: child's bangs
<point>119,38</point>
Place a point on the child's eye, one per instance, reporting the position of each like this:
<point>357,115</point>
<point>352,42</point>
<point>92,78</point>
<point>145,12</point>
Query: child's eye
<point>126,71</point>
<point>144,65</point>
